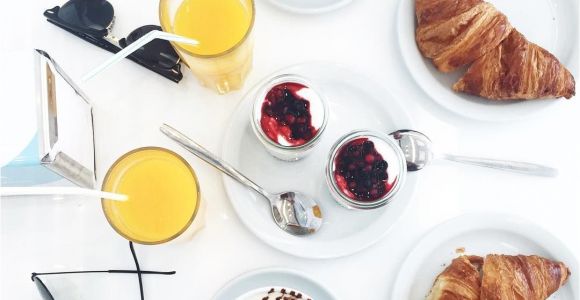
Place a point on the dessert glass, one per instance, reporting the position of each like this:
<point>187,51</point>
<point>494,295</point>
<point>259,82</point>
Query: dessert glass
<point>318,110</point>
<point>391,153</point>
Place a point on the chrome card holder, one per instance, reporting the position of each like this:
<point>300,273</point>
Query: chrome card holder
<point>65,128</point>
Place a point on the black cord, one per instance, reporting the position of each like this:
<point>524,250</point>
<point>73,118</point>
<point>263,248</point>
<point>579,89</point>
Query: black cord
<point>138,270</point>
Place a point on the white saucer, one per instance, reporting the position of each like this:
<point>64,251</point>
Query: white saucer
<point>550,24</point>
<point>267,278</point>
<point>310,6</point>
<point>480,234</point>
<point>355,103</point>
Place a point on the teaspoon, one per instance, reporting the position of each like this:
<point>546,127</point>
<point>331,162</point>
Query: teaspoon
<point>418,150</point>
<point>293,212</point>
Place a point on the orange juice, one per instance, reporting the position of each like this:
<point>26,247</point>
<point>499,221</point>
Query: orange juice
<point>223,28</point>
<point>217,25</point>
<point>163,195</point>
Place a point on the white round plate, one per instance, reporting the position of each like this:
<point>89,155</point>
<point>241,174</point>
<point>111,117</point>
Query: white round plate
<point>355,102</point>
<point>550,24</point>
<point>480,234</point>
<point>267,278</point>
<point>310,6</point>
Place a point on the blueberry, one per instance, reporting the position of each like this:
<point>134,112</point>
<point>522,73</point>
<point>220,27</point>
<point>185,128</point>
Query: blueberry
<point>368,146</point>
<point>381,176</point>
<point>301,106</point>
<point>287,95</point>
<point>380,165</point>
<point>350,149</point>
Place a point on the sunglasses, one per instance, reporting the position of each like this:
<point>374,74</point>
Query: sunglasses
<point>46,295</point>
<point>92,21</point>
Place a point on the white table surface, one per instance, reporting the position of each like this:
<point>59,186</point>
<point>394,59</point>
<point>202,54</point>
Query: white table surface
<point>130,103</point>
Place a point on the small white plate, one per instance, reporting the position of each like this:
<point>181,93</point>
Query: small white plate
<point>355,102</point>
<point>268,278</point>
<point>480,234</point>
<point>310,6</point>
<point>550,24</point>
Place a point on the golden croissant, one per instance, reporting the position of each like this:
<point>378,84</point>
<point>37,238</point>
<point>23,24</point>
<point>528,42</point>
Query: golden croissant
<point>456,33</point>
<point>460,280</point>
<point>504,65</point>
<point>517,69</point>
<point>521,277</point>
<point>499,277</point>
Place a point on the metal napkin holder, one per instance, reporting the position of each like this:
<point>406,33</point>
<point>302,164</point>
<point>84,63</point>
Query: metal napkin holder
<point>65,133</point>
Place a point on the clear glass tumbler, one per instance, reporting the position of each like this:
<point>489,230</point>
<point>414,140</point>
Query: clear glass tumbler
<point>164,197</point>
<point>223,58</point>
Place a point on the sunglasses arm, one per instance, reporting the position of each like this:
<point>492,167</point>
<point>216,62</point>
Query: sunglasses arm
<point>34,275</point>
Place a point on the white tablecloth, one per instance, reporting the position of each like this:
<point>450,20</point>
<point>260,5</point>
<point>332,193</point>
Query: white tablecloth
<point>130,103</point>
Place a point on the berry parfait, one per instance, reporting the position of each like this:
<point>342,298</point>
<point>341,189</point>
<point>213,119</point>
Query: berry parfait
<point>365,170</point>
<point>289,116</point>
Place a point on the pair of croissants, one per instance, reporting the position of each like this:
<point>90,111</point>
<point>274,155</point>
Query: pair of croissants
<point>503,64</point>
<point>499,277</point>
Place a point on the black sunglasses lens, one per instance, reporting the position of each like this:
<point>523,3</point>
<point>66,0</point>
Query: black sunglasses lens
<point>43,290</point>
<point>158,52</point>
<point>95,14</point>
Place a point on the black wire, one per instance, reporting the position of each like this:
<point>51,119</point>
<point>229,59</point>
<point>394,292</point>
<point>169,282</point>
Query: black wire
<point>138,270</point>
<point>70,272</point>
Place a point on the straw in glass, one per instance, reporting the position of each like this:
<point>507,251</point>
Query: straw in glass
<point>154,34</point>
<point>36,191</point>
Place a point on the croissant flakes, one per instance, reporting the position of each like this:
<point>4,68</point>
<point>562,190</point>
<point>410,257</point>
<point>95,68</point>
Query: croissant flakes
<point>499,277</point>
<point>504,65</point>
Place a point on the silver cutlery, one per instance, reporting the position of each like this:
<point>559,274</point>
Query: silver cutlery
<point>292,211</point>
<point>418,150</point>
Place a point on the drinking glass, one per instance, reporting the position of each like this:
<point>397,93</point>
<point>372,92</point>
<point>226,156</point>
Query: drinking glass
<point>223,28</point>
<point>164,198</point>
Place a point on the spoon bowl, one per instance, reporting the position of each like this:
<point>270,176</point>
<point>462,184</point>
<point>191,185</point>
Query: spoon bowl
<point>417,147</point>
<point>296,213</point>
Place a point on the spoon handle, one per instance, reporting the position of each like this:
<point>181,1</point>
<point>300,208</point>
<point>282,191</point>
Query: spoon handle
<point>210,158</point>
<point>506,165</point>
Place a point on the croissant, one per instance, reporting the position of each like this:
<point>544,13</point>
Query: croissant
<point>431,11</point>
<point>521,277</point>
<point>454,33</point>
<point>517,69</point>
<point>460,280</point>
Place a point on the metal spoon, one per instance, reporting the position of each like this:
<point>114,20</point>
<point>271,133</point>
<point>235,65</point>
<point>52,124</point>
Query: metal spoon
<point>418,150</point>
<point>294,212</point>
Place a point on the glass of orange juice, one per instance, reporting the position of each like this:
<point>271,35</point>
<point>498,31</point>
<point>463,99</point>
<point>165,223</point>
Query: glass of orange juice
<point>164,197</point>
<point>223,28</point>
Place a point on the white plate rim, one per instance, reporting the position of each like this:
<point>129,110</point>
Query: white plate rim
<point>476,221</point>
<point>278,270</point>
<point>309,11</point>
<point>405,49</point>
<point>412,179</point>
